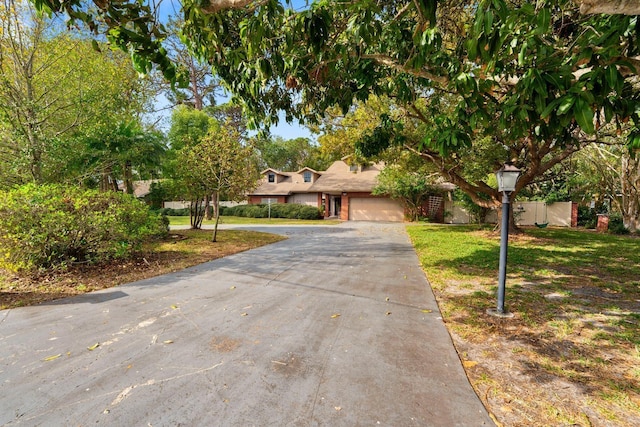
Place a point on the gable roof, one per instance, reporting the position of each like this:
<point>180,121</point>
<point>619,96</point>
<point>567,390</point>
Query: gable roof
<point>292,182</point>
<point>339,178</point>
<point>310,170</point>
<point>140,188</point>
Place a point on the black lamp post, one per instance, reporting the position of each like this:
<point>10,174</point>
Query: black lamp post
<point>507,177</point>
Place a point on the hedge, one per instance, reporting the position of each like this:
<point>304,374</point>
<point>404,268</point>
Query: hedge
<point>278,210</point>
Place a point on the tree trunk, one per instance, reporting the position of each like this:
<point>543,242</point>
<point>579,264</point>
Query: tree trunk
<point>610,7</point>
<point>196,216</point>
<point>513,228</point>
<point>207,207</point>
<point>128,178</point>
<point>630,185</point>
<point>216,206</point>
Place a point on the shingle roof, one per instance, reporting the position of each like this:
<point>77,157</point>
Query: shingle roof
<point>140,188</point>
<point>292,182</point>
<point>339,178</point>
<point>336,179</point>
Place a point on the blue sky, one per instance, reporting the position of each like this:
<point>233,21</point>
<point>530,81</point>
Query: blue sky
<point>283,129</point>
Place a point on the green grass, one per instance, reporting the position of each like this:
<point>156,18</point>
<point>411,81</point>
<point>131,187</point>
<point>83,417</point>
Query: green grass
<point>575,297</point>
<point>184,220</point>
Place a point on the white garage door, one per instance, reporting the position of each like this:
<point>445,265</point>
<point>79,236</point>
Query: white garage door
<point>372,209</point>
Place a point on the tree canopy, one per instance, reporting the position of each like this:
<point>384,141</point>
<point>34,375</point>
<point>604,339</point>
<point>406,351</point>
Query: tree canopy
<point>528,82</point>
<point>55,91</point>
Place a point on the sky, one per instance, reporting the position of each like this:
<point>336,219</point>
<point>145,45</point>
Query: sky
<point>283,129</point>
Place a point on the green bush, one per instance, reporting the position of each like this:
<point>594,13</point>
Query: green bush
<point>616,225</point>
<point>50,226</point>
<point>587,217</point>
<point>278,210</point>
<point>173,212</point>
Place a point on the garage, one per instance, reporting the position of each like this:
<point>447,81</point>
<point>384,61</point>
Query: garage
<point>375,209</point>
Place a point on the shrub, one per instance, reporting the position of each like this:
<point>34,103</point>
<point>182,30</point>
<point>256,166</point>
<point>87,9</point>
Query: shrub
<point>174,212</point>
<point>51,226</point>
<point>616,225</point>
<point>278,210</point>
<point>587,217</point>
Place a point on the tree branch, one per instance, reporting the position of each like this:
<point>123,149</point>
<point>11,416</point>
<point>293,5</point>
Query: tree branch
<point>218,5</point>
<point>612,7</point>
<point>387,61</point>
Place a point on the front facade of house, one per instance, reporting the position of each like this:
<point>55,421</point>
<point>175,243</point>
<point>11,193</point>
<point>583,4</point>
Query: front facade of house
<point>342,191</point>
<point>287,187</point>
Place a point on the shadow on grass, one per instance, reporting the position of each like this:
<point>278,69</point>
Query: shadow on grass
<point>564,286</point>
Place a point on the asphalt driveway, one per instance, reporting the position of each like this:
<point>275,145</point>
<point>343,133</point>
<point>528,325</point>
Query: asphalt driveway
<point>335,326</point>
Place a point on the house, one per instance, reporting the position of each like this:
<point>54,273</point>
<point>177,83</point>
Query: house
<point>287,187</point>
<point>141,189</point>
<point>343,191</point>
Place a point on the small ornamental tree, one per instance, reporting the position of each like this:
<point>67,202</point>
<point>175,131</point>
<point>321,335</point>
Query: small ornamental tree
<point>219,165</point>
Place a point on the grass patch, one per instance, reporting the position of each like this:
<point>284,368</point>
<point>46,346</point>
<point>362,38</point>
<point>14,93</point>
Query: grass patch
<point>182,249</point>
<point>575,337</point>
<point>233,220</point>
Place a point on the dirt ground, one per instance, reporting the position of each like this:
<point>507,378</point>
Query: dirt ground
<point>181,249</point>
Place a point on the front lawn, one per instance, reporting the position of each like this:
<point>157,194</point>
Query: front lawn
<point>233,220</point>
<point>571,354</point>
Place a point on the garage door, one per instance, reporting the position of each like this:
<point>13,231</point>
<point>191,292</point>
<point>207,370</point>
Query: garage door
<point>372,209</point>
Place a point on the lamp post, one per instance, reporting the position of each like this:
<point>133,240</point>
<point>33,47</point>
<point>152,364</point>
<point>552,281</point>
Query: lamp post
<point>507,177</point>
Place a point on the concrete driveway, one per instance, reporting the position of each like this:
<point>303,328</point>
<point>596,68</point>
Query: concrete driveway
<point>335,326</point>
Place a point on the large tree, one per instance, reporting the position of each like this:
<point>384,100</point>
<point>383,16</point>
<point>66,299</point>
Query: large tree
<point>289,154</point>
<point>55,87</point>
<point>537,79</point>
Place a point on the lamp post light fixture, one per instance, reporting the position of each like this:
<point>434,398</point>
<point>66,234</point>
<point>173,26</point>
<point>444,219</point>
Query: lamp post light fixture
<point>507,177</point>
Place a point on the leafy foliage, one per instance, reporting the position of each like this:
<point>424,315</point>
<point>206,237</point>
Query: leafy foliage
<point>219,165</point>
<point>56,91</point>
<point>289,154</point>
<point>49,226</point>
<point>410,183</point>
<point>616,224</point>
<point>535,81</point>
<point>278,210</point>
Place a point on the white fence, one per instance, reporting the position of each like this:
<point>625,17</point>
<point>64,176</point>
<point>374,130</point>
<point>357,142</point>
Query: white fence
<point>526,213</point>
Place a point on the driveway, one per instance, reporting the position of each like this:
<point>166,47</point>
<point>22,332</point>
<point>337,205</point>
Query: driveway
<point>335,326</point>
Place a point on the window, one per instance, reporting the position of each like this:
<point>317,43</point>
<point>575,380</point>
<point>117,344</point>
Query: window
<point>307,176</point>
<point>271,177</point>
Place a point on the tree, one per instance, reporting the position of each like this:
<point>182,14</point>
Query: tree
<point>116,153</point>
<point>289,154</point>
<point>218,165</point>
<point>201,87</point>
<point>53,89</point>
<point>408,181</point>
<point>528,77</point>
<point>188,127</point>
<point>612,171</point>
<point>535,78</point>
<point>340,132</point>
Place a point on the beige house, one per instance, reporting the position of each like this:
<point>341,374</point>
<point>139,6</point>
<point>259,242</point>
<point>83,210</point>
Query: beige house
<point>343,191</point>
